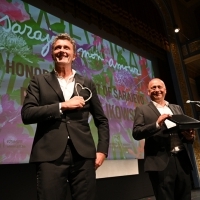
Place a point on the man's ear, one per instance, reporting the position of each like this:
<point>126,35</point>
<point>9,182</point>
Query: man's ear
<point>74,57</point>
<point>53,57</point>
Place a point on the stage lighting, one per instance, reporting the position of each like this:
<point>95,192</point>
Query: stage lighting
<point>176,29</point>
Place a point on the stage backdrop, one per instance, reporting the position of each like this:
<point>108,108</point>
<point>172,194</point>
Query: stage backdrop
<point>121,77</point>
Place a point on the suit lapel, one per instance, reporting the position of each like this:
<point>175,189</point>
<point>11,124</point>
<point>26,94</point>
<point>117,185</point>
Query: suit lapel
<point>174,109</point>
<point>155,110</point>
<point>153,107</point>
<point>53,82</point>
<point>80,81</point>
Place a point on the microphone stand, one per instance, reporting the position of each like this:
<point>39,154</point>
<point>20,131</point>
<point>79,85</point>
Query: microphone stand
<point>197,103</point>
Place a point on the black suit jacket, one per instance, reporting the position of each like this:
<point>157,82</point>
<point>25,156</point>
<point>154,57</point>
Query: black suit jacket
<point>41,106</point>
<point>156,148</point>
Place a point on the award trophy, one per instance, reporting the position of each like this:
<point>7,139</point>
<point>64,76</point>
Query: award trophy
<point>83,88</point>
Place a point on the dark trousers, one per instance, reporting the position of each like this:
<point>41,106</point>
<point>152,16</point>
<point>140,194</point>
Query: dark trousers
<point>53,177</point>
<point>174,182</point>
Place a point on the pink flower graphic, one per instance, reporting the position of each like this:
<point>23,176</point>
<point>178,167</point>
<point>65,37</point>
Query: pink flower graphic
<point>120,129</point>
<point>14,144</point>
<point>15,10</point>
<point>97,40</point>
<point>139,151</point>
<point>124,80</point>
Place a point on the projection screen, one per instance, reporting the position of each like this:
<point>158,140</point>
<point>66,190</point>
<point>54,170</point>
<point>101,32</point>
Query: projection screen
<point>121,76</point>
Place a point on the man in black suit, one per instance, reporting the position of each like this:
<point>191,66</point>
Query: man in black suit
<point>63,148</point>
<point>167,159</point>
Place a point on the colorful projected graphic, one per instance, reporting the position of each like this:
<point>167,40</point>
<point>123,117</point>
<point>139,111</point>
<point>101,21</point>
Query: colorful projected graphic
<point>120,75</point>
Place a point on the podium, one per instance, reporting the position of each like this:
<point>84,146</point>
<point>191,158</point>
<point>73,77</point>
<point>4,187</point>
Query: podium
<point>183,122</point>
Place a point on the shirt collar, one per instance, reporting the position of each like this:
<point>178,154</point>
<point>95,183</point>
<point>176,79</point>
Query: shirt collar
<point>73,73</point>
<point>158,105</point>
<point>72,76</point>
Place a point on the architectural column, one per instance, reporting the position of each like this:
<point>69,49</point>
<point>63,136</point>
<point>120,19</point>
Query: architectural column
<point>177,65</point>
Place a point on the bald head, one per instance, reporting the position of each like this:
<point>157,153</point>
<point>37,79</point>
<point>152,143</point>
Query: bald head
<point>157,90</point>
<point>155,80</point>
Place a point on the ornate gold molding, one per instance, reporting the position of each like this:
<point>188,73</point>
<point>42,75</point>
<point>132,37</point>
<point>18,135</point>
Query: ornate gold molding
<point>179,71</point>
<point>174,50</point>
<point>196,148</point>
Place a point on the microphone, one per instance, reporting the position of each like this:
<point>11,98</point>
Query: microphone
<point>195,102</point>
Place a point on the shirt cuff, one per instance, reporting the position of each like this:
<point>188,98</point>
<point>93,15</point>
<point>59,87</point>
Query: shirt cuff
<point>157,125</point>
<point>60,108</point>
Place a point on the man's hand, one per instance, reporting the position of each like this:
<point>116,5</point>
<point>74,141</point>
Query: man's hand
<point>162,118</point>
<point>100,157</point>
<point>189,134</point>
<point>73,103</point>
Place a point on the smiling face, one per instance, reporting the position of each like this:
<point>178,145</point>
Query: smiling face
<point>63,52</point>
<point>157,90</point>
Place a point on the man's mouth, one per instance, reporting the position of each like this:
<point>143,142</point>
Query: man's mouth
<point>60,55</point>
<point>157,94</point>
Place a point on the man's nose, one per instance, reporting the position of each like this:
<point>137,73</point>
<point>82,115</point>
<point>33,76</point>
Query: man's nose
<point>62,49</point>
<point>156,88</point>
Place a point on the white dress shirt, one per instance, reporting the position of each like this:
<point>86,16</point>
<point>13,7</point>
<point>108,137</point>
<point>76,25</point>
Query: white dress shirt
<point>165,110</point>
<point>67,86</point>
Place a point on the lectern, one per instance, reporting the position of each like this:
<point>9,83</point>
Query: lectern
<point>183,122</point>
